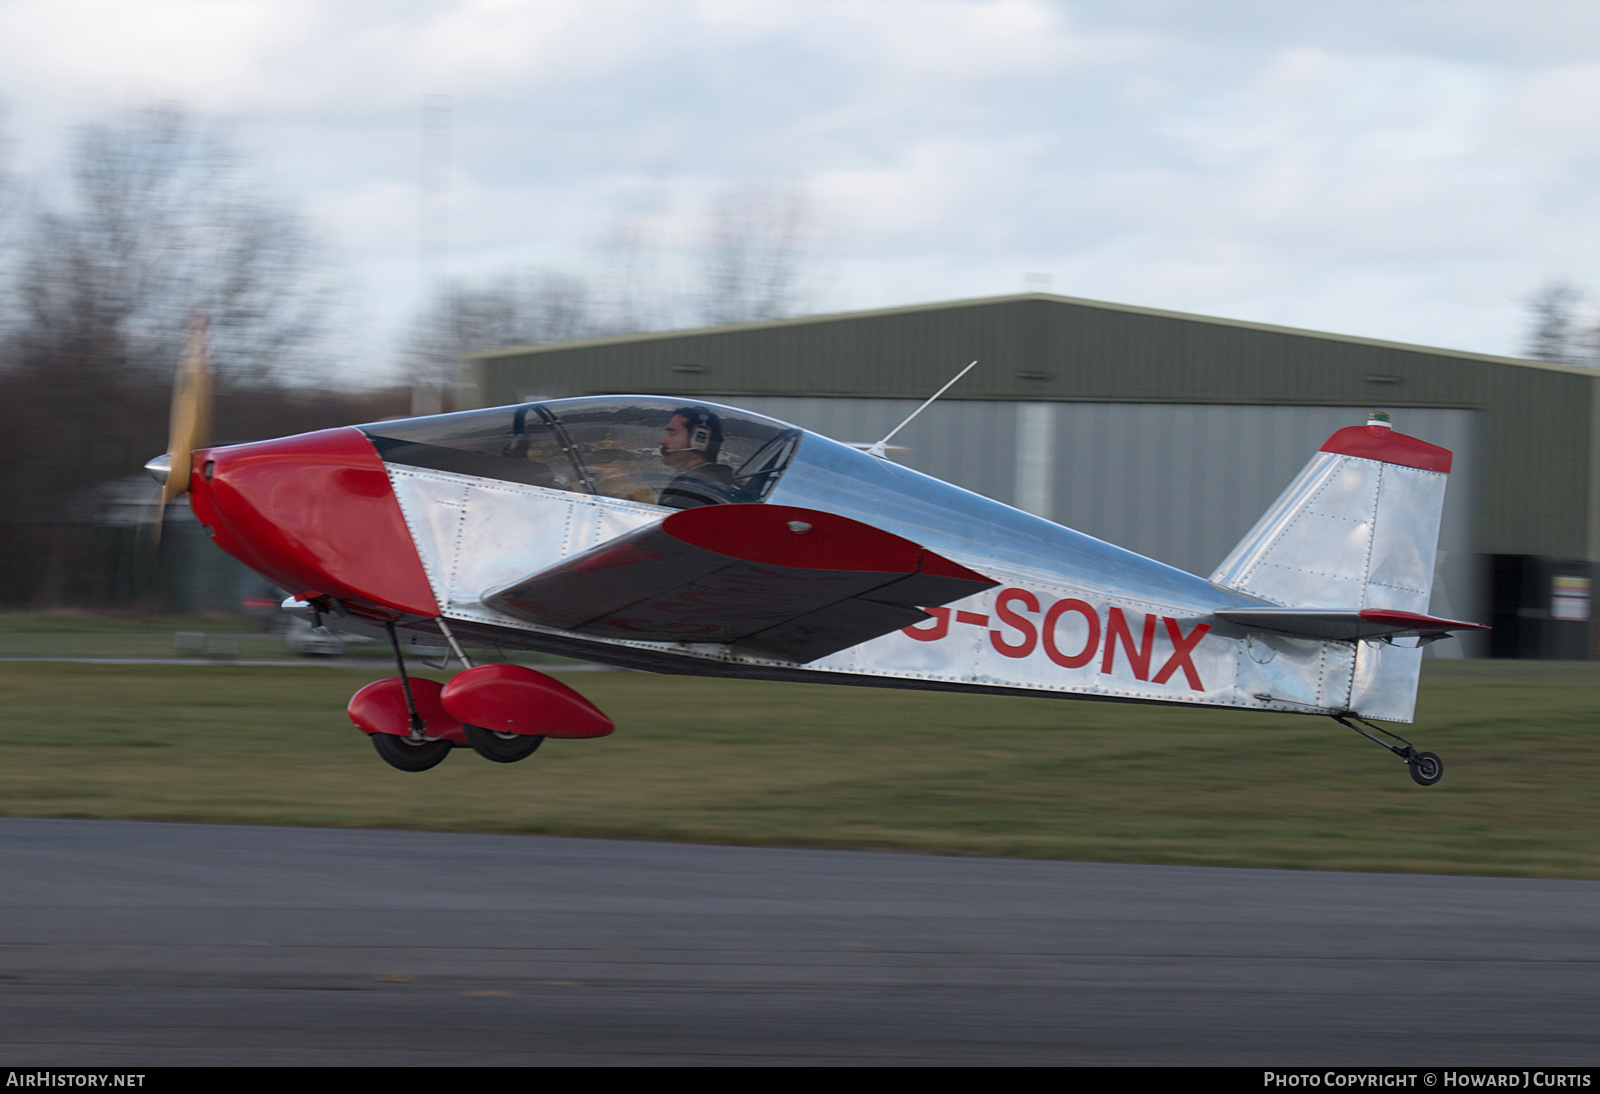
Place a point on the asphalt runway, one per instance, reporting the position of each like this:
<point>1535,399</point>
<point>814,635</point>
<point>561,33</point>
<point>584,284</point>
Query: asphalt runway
<point>125,944</point>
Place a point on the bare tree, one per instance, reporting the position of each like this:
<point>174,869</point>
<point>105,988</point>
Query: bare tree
<point>158,218</point>
<point>636,285</point>
<point>749,261</point>
<point>1556,332</point>
<point>754,255</point>
<point>509,310</point>
<point>9,227</point>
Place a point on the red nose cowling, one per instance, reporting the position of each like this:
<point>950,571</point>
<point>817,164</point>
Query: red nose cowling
<point>315,515</point>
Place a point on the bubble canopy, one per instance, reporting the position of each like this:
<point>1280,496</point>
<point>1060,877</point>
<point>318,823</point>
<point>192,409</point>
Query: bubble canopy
<point>671,452</point>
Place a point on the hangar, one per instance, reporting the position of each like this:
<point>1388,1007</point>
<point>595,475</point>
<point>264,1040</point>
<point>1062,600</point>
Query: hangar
<point>1163,432</point>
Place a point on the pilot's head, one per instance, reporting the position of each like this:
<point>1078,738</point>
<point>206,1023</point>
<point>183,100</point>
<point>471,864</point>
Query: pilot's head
<point>693,436</point>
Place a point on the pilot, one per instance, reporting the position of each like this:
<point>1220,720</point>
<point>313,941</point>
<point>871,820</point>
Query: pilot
<point>689,446</point>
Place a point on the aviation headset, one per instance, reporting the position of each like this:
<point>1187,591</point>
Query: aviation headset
<point>704,429</point>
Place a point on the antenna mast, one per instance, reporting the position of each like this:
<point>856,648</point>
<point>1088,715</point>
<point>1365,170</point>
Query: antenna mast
<point>881,449</point>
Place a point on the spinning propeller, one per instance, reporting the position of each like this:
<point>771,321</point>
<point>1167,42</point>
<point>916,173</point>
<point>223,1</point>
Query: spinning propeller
<point>189,423</point>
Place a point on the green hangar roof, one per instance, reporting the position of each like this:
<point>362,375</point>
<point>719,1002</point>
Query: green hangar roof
<point>1539,483</point>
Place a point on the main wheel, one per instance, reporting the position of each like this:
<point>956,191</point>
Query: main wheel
<point>409,755</point>
<point>1426,768</point>
<point>502,748</point>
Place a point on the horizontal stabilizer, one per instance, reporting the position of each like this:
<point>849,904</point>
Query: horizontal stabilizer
<point>773,580</point>
<point>1370,623</point>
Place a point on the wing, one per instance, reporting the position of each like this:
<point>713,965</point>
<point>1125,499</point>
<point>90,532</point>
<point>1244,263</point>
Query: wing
<point>773,580</point>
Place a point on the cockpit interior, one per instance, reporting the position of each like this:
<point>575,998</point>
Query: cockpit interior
<point>668,452</point>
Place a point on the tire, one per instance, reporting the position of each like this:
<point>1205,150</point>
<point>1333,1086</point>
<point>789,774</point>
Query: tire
<point>409,755</point>
<point>501,748</point>
<point>1426,768</point>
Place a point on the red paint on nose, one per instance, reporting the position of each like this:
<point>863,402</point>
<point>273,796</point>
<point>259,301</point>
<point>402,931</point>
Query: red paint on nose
<point>313,512</point>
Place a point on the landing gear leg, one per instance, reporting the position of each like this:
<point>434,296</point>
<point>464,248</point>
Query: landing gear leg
<point>416,751</point>
<point>1425,767</point>
<point>417,725</point>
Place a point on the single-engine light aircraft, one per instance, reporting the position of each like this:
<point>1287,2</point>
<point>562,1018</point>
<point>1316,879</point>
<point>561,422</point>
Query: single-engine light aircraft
<point>682,536</point>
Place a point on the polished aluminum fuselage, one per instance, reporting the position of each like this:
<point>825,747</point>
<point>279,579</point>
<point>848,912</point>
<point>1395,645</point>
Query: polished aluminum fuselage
<point>1073,616</point>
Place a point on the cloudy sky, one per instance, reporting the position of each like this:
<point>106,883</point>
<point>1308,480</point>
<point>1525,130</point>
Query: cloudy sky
<point>1410,169</point>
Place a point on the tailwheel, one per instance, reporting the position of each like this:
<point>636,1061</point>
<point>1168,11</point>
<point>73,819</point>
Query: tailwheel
<point>501,748</point>
<point>1426,768</point>
<point>409,754</point>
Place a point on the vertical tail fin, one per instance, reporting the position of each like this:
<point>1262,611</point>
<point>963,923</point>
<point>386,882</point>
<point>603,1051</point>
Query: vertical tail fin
<point>1358,528</point>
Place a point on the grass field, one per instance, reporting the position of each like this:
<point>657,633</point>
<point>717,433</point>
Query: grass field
<point>737,762</point>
